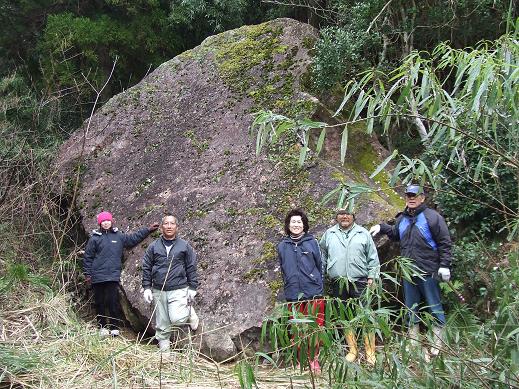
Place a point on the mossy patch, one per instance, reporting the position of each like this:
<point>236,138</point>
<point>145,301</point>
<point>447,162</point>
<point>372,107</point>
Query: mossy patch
<point>269,254</point>
<point>274,286</point>
<point>256,47</point>
<point>253,63</point>
<point>200,145</point>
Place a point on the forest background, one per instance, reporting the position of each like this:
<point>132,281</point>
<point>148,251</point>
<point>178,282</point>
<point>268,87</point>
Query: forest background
<point>56,55</point>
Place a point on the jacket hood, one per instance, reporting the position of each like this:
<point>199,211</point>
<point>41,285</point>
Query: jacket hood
<point>100,232</point>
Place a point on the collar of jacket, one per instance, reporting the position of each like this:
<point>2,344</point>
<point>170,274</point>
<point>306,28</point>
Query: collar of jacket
<point>417,211</point>
<point>304,238</point>
<point>174,240</point>
<point>99,232</point>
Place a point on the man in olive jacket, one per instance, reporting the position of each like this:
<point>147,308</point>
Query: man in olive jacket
<point>169,277</point>
<point>350,260</point>
<point>102,268</point>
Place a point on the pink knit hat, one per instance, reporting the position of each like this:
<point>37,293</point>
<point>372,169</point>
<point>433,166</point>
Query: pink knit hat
<point>104,216</point>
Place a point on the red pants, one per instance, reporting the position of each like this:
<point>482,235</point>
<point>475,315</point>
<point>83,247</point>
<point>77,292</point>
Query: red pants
<point>316,308</point>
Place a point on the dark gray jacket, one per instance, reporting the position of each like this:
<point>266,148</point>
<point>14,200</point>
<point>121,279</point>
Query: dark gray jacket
<point>301,267</point>
<point>104,252</point>
<point>424,237</point>
<point>175,271</point>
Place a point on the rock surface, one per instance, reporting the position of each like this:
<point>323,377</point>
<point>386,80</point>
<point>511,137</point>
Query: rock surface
<point>179,141</point>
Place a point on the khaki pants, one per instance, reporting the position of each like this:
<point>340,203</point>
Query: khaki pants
<point>172,309</point>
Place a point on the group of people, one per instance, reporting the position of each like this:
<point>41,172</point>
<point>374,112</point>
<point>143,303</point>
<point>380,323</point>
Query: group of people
<point>169,276</point>
<point>345,255</point>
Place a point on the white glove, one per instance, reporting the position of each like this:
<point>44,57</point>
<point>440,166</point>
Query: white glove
<point>191,293</point>
<point>148,296</point>
<point>374,230</point>
<point>444,273</point>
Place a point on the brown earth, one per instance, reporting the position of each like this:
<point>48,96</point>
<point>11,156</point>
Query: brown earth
<point>179,141</point>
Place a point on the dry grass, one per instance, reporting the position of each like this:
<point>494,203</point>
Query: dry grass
<point>44,344</point>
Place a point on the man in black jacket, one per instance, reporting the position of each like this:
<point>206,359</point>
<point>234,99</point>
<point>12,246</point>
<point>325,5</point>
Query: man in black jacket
<point>424,237</point>
<point>169,276</point>
<point>102,267</point>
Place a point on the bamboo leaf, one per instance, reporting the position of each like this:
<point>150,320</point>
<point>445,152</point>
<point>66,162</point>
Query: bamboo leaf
<point>344,143</point>
<point>330,194</point>
<point>350,88</point>
<point>320,141</point>
<point>370,114</point>
<point>395,175</point>
<point>360,104</point>
<point>383,164</point>
<point>307,124</point>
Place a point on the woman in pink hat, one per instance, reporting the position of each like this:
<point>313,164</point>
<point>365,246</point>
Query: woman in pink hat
<point>102,265</point>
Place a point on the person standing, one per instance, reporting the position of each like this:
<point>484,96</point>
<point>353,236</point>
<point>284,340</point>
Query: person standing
<point>301,267</point>
<point>170,278</point>
<point>351,263</point>
<point>424,237</point>
<point>102,263</point>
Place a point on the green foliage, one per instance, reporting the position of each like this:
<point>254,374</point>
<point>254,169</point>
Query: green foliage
<point>18,275</point>
<point>17,362</point>
<point>341,53</point>
<point>467,99</point>
<point>78,52</point>
<point>201,15</point>
<point>361,34</point>
<point>471,342</point>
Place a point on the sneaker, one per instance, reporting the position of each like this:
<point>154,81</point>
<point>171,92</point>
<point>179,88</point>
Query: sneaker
<point>194,321</point>
<point>115,333</point>
<point>164,345</point>
<point>103,332</point>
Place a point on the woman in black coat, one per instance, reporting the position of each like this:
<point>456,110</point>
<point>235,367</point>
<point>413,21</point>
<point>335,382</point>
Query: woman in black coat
<point>301,267</point>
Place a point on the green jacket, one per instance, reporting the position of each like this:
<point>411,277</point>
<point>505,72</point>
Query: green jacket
<point>351,254</point>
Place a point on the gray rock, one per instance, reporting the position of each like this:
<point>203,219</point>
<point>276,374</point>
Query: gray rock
<point>179,141</point>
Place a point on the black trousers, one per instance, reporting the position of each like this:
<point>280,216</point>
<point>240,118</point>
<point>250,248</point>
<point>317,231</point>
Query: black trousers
<point>346,290</point>
<point>106,297</point>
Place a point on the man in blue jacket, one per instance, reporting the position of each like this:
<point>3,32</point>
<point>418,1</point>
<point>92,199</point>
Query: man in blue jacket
<point>102,268</point>
<point>170,278</point>
<point>424,237</point>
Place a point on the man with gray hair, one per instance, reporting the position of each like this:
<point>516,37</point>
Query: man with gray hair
<point>169,277</point>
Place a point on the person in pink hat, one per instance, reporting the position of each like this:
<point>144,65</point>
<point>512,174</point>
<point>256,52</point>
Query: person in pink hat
<point>102,263</point>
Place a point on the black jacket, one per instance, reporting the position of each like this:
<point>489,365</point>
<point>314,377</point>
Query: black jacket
<point>104,252</point>
<point>429,253</point>
<point>301,267</point>
<point>175,271</point>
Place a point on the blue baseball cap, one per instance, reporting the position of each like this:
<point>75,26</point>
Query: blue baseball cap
<point>414,189</point>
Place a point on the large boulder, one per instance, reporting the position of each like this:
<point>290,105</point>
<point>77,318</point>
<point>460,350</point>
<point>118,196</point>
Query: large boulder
<point>179,141</point>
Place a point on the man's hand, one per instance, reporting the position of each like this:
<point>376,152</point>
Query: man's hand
<point>153,227</point>
<point>444,274</point>
<point>374,230</point>
<point>191,293</point>
<point>148,296</point>
<point>88,280</point>
<point>370,281</point>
